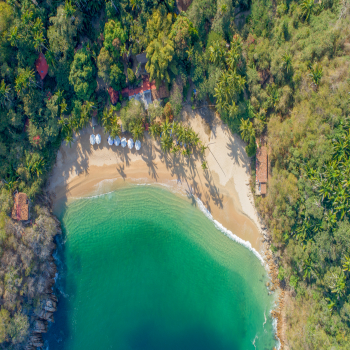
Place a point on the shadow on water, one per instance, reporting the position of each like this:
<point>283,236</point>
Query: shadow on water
<point>59,332</point>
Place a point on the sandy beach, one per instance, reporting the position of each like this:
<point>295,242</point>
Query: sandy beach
<point>83,170</point>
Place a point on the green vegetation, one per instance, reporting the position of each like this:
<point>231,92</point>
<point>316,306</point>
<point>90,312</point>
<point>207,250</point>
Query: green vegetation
<point>273,69</point>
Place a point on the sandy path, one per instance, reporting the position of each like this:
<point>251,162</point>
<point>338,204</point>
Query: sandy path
<point>223,188</point>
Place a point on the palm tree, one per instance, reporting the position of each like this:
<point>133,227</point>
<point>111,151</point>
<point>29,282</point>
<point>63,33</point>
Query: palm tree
<point>38,166</point>
<point>34,164</point>
<point>308,268</point>
<point>137,131</point>
<point>106,120</point>
<point>69,10</point>
<point>73,123</point>
<point>154,130</point>
<point>232,58</point>
<point>116,129</point>
<point>11,185</point>
<point>166,142</point>
<point>306,7</point>
<point>50,58</point>
<point>287,62</point>
<point>203,148</point>
<point>24,80</point>
<point>331,304</point>
<point>135,3</point>
<point>339,288</point>
<point>175,149</point>
<point>274,96</point>
<point>247,130</point>
<point>4,94</point>
<point>14,36</point>
<point>216,53</point>
<point>316,73</point>
<point>69,139</point>
<point>85,113</point>
<point>186,152</point>
<point>346,265</point>
<point>165,127</point>
<point>232,110</point>
<point>180,133</point>
<point>38,41</point>
<point>59,94</point>
<point>193,137</point>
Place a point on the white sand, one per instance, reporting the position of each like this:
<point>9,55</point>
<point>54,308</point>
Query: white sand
<point>223,188</point>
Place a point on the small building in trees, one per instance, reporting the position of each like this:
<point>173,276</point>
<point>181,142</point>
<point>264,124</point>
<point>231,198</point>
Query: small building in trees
<point>41,66</point>
<point>147,92</point>
<point>142,60</point>
<point>114,96</point>
<point>162,92</point>
<point>261,170</point>
<point>20,210</point>
<point>183,5</point>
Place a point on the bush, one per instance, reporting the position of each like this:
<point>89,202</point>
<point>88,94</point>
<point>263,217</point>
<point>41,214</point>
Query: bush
<point>168,111</point>
<point>130,114</point>
<point>83,75</point>
<point>131,76</point>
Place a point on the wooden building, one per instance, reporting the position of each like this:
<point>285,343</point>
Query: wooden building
<point>20,210</point>
<point>261,170</point>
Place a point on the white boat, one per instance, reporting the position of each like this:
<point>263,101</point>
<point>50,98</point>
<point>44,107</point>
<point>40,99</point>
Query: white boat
<point>117,141</point>
<point>137,145</point>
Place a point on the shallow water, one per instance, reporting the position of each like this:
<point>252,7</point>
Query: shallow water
<point>142,268</point>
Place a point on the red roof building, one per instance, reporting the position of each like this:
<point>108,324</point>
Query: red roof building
<point>113,95</point>
<point>261,169</point>
<point>41,66</point>
<point>162,92</point>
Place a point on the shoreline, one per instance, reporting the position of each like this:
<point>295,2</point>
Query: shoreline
<point>223,190</point>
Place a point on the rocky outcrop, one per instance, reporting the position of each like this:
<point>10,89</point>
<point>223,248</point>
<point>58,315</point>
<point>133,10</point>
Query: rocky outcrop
<point>42,315</point>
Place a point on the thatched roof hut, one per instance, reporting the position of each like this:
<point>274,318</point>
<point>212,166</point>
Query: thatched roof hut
<point>20,210</point>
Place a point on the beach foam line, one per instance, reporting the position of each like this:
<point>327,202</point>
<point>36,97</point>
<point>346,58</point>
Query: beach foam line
<point>228,233</point>
<point>274,325</point>
<point>246,244</point>
<point>96,196</point>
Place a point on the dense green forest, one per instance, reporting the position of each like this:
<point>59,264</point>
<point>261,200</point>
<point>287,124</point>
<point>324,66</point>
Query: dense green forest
<point>278,69</point>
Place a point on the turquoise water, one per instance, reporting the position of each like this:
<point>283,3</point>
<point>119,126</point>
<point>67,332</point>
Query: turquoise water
<point>143,269</point>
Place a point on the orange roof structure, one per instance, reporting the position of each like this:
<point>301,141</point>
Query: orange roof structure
<point>113,95</point>
<point>41,66</point>
<point>162,92</point>
<point>20,210</point>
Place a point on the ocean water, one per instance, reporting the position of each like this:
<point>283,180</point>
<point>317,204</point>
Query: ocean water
<point>144,269</point>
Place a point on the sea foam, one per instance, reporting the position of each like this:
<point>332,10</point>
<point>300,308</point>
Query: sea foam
<point>228,233</point>
<point>246,244</point>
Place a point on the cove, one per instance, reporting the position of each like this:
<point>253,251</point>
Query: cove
<point>141,268</point>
